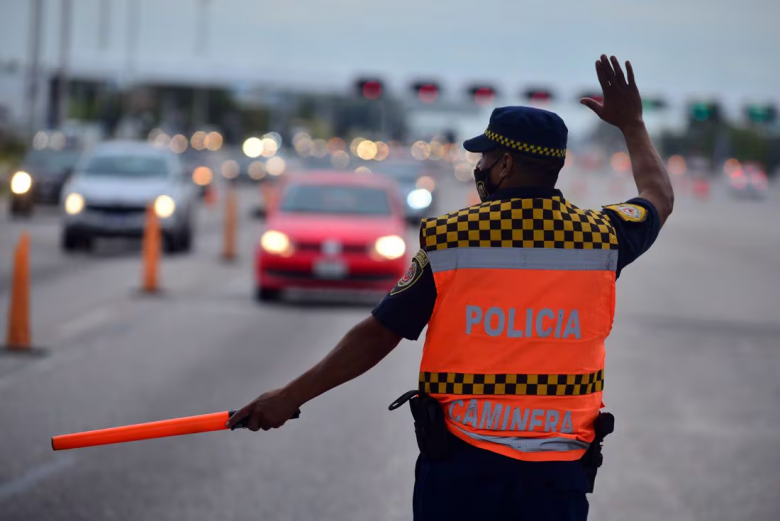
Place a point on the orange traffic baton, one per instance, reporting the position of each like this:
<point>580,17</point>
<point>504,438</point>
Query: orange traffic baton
<point>147,431</point>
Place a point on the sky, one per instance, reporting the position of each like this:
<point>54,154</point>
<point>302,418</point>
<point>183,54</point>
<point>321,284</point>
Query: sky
<point>680,48</point>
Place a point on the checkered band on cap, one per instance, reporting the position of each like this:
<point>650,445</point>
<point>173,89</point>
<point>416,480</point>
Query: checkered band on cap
<point>525,147</point>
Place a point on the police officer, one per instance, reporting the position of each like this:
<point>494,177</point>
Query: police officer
<point>518,296</point>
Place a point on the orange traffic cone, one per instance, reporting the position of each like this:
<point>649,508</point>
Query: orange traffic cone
<point>151,252</point>
<point>266,193</point>
<point>210,197</point>
<point>19,309</point>
<point>701,188</point>
<point>229,231</point>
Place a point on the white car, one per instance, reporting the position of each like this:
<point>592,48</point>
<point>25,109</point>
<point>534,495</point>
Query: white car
<point>111,187</point>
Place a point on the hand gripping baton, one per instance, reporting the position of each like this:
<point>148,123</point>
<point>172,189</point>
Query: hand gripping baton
<point>146,431</point>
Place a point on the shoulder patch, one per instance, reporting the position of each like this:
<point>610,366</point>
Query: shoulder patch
<point>629,212</point>
<point>413,274</point>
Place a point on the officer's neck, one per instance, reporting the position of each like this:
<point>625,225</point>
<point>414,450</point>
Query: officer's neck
<point>528,181</point>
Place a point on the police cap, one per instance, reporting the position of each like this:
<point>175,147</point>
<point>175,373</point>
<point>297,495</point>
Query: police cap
<point>526,130</point>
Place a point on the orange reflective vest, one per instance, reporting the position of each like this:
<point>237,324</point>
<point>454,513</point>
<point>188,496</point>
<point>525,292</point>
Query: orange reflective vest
<point>515,347</point>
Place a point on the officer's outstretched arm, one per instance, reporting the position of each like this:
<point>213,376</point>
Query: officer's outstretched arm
<point>622,107</point>
<point>364,346</point>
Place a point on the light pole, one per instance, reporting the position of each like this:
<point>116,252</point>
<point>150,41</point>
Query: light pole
<point>104,22</point>
<point>133,25</point>
<point>201,98</point>
<point>34,55</point>
<point>63,85</point>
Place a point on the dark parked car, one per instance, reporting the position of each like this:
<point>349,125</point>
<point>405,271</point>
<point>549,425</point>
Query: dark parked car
<point>40,178</point>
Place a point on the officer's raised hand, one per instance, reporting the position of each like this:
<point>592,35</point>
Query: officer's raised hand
<point>622,105</point>
<point>268,411</point>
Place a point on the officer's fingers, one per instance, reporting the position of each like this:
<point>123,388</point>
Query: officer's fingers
<point>602,77</point>
<point>237,417</point>
<point>254,422</point>
<point>621,80</point>
<point>630,71</point>
<point>593,105</point>
<point>606,68</point>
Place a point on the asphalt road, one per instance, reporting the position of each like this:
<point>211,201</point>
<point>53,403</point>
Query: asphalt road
<point>693,365</point>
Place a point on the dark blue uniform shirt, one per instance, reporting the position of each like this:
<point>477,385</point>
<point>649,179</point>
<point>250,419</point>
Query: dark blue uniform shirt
<point>407,312</point>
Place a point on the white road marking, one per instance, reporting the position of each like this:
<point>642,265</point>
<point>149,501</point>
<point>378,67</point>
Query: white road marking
<point>84,323</point>
<point>36,475</point>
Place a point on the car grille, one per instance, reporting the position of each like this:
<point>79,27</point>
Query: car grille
<point>305,275</point>
<point>317,246</point>
<point>115,209</point>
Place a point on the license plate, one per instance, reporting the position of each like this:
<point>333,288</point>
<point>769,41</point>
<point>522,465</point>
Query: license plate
<point>330,269</point>
<point>117,221</point>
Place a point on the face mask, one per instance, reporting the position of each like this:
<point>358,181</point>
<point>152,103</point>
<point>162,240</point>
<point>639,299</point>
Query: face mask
<point>484,184</point>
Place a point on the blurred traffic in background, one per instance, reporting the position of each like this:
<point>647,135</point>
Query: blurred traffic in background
<point>284,162</point>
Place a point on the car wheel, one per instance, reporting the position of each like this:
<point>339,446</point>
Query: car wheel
<point>20,209</point>
<point>171,242</point>
<point>267,294</point>
<point>72,241</point>
<point>185,240</point>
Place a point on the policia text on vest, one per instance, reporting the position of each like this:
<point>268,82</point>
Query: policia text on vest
<point>497,322</point>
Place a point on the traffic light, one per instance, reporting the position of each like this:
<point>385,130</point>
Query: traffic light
<point>651,104</point>
<point>593,94</point>
<point>701,111</point>
<point>538,96</point>
<point>427,91</point>
<point>758,113</point>
<point>370,88</point>
<point>483,94</point>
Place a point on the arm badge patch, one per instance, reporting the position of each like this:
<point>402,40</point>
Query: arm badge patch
<point>413,274</point>
<point>629,212</point>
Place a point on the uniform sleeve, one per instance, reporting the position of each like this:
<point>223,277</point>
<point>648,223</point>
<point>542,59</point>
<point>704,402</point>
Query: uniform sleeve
<point>637,225</point>
<point>408,307</point>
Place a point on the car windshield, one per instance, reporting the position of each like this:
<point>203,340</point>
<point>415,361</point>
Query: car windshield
<point>336,199</point>
<point>52,159</point>
<point>400,172</point>
<point>127,166</point>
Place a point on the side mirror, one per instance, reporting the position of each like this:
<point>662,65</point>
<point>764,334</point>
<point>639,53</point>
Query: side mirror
<point>259,212</point>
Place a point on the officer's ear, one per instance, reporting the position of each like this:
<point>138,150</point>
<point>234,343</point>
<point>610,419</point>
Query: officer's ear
<point>507,165</point>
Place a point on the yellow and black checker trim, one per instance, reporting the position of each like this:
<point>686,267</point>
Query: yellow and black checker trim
<point>525,147</point>
<point>520,223</point>
<point>512,384</point>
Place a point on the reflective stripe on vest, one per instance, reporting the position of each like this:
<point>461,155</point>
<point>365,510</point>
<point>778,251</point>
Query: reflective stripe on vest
<point>523,259</point>
<point>530,444</point>
<point>515,347</point>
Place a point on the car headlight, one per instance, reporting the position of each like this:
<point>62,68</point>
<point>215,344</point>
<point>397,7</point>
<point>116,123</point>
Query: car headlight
<point>276,242</point>
<point>21,183</point>
<point>74,203</point>
<point>419,199</point>
<point>164,206</point>
<point>390,247</point>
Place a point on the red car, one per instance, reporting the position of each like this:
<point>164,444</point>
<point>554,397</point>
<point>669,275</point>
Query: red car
<point>331,230</point>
